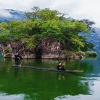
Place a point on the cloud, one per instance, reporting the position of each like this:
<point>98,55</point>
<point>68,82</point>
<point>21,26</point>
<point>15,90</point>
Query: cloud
<point>78,9</point>
<point>88,9</point>
<point>4,13</point>
<point>25,5</point>
<point>66,5</point>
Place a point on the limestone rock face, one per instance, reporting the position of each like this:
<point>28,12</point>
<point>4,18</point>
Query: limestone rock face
<point>47,49</point>
<point>44,50</point>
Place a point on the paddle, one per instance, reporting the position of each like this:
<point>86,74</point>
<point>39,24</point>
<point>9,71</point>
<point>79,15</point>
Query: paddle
<point>64,63</point>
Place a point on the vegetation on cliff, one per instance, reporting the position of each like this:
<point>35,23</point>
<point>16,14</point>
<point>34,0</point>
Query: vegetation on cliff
<point>43,23</point>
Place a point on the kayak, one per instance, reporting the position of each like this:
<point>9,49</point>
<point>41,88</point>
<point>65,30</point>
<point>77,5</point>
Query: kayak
<point>48,69</point>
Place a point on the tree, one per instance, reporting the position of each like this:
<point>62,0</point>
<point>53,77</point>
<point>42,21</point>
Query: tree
<point>44,23</point>
<point>89,24</point>
<point>33,14</point>
<point>4,32</point>
<point>70,37</point>
<point>47,14</point>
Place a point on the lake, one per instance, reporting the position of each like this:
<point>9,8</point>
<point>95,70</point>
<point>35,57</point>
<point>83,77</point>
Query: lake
<point>31,84</point>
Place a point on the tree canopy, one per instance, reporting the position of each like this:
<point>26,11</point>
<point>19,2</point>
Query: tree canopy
<point>41,23</point>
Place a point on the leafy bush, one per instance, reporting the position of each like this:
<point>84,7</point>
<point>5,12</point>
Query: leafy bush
<point>80,53</point>
<point>91,54</point>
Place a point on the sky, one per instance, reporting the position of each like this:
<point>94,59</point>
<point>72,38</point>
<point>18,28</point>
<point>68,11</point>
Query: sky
<point>77,9</point>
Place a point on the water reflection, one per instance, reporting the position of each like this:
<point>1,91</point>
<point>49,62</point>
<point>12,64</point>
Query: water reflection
<point>60,76</point>
<point>16,72</point>
<point>4,96</point>
<point>95,93</point>
<point>46,85</point>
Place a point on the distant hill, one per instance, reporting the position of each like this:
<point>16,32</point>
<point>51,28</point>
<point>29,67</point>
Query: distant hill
<point>95,39</point>
<point>10,14</point>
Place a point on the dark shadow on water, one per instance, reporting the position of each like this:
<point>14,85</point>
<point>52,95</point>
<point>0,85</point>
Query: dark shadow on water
<point>16,72</point>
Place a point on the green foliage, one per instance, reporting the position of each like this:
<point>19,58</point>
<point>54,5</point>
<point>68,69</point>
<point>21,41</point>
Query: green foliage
<point>88,46</point>
<point>89,24</point>
<point>4,32</point>
<point>81,53</point>
<point>4,27</point>
<point>47,14</point>
<point>43,23</point>
<point>29,42</point>
<point>70,53</point>
<point>20,26</point>
<point>91,54</point>
<point>70,36</point>
<point>7,50</point>
<point>32,15</point>
<point>51,28</point>
<point>3,38</point>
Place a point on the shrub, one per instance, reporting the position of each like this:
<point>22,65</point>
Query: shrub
<point>91,54</point>
<point>80,53</point>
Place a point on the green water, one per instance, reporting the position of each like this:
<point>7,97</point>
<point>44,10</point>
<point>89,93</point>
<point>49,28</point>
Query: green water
<point>30,84</point>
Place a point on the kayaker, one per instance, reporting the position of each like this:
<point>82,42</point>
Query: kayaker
<point>60,66</point>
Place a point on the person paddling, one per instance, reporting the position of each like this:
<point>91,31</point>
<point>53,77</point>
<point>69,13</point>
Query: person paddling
<point>60,66</point>
<point>17,58</point>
